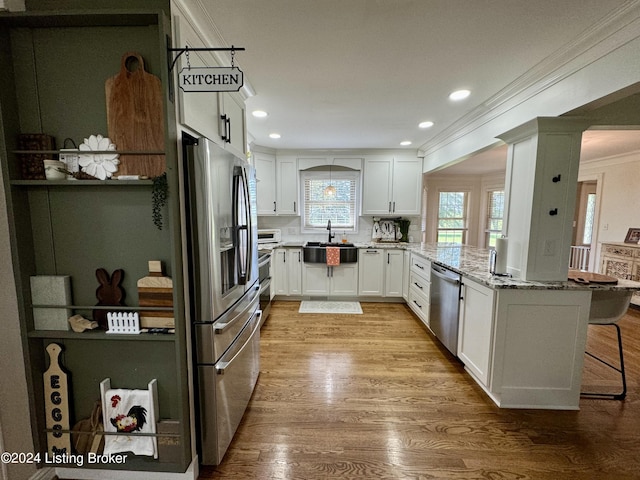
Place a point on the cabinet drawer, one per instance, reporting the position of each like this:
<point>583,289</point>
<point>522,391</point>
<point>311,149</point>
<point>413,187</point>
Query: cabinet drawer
<point>418,282</point>
<point>419,303</point>
<point>421,266</point>
<point>619,250</point>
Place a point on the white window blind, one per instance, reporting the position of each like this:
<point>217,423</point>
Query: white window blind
<point>495,209</point>
<point>341,208</point>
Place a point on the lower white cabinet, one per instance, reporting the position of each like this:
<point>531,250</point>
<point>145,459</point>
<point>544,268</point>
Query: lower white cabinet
<point>419,287</point>
<point>393,272</point>
<point>371,274</point>
<point>405,274</point>
<point>381,272</point>
<point>319,279</point>
<point>287,271</point>
<point>475,330</point>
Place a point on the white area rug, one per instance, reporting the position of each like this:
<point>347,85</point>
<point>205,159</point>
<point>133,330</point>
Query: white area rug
<point>308,306</point>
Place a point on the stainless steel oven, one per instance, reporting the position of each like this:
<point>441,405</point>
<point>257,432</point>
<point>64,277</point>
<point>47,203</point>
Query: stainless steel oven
<point>264,276</point>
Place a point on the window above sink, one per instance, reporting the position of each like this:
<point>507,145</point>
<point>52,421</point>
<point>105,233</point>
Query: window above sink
<point>341,207</point>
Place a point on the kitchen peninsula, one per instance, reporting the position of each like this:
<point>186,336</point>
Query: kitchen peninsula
<point>522,341</point>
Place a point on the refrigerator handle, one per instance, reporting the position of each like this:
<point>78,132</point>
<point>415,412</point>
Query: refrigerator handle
<point>241,217</point>
<point>244,275</point>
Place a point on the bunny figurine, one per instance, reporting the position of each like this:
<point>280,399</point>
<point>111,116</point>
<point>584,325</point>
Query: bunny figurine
<point>108,293</point>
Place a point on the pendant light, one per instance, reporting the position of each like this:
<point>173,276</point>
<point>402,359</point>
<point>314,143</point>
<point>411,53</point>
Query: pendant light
<point>330,190</point>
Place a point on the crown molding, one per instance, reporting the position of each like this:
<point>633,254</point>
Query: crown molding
<point>611,32</point>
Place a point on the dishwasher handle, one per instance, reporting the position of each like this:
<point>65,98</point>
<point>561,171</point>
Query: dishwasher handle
<point>443,275</point>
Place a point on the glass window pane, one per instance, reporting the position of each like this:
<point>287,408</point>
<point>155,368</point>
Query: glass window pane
<point>589,216</point>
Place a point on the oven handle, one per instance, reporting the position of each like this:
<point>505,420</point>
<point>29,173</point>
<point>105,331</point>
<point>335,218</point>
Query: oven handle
<point>223,364</point>
<point>265,261</point>
<point>265,285</point>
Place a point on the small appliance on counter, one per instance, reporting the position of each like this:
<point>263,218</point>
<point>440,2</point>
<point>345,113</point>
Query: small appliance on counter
<point>385,230</point>
<point>269,235</point>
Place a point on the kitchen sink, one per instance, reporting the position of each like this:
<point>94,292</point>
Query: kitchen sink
<point>316,252</point>
<point>333,244</point>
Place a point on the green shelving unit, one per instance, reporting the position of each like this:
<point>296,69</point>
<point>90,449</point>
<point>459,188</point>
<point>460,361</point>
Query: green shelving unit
<point>56,66</point>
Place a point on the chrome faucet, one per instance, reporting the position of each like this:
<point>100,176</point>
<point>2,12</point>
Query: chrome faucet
<point>331,235</point>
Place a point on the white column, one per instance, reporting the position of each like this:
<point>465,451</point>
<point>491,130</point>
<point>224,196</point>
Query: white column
<point>540,194</point>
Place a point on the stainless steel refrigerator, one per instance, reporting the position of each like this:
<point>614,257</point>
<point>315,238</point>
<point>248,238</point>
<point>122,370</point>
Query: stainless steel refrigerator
<point>220,208</point>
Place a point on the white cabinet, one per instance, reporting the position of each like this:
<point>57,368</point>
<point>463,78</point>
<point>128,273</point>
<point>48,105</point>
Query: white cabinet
<point>419,287</point>
<point>371,274</point>
<point>393,272</point>
<point>344,280</point>
<point>232,123</point>
<point>199,111</point>
<point>405,274</point>
<point>315,279</point>
<point>319,279</point>
<point>265,164</point>
<point>287,271</point>
<point>287,186</point>
<point>621,260</point>
<point>380,273</point>
<point>392,185</point>
<point>277,184</point>
<point>475,329</point>
<point>219,116</point>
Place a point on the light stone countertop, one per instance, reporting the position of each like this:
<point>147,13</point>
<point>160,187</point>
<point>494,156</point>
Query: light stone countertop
<point>473,263</point>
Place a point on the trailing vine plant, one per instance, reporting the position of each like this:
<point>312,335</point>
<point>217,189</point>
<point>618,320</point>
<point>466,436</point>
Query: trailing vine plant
<point>159,193</point>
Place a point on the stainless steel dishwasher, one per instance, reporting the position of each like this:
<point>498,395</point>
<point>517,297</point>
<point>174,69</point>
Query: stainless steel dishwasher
<point>445,306</point>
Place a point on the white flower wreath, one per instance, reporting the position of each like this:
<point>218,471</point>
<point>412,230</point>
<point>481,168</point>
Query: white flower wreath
<point>100,165</point>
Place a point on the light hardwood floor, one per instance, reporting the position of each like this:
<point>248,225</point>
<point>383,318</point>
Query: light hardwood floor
<point>375,396</point>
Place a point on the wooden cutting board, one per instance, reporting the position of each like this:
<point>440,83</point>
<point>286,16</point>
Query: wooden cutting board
<point>590,277</point>
<point>156,290</point>
<point>135,116</point>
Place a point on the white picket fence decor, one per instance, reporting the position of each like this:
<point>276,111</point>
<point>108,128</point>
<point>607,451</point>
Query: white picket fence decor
<point>123,322</point>
<point>579,258</point>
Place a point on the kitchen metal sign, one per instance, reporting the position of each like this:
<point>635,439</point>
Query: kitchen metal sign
<point>210,79</point>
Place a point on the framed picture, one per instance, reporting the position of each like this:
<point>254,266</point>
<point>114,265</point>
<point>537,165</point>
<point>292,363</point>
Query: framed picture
<point>633,236</point>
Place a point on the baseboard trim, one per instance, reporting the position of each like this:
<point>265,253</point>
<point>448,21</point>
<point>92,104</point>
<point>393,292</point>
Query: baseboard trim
<point>44,474</point>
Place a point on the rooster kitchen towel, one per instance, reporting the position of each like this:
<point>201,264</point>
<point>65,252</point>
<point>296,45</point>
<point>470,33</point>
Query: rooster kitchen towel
<point>130,412</point>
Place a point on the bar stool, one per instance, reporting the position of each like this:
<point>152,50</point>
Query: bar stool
<point>607,307</point>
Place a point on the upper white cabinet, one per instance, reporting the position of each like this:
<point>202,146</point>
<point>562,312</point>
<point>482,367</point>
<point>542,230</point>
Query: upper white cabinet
<point>287,186</point>
<point>277,184</point>
<point>219,116</point>
<point>392,185</point>
<point>232,123</point>
<point>265,164</point>
<point>198,110</point>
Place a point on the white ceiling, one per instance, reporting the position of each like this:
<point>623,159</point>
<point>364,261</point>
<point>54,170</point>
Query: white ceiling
<point>336,74</point>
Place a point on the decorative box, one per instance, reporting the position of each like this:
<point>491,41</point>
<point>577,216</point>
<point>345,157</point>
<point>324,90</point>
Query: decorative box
<point>51,290</point>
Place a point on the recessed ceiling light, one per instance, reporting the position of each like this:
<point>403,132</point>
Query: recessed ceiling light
<point>427,124</point>
<point>274,135</point>
<point>404,143</point>
<point>459,95</point>
<point>259,113</point>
